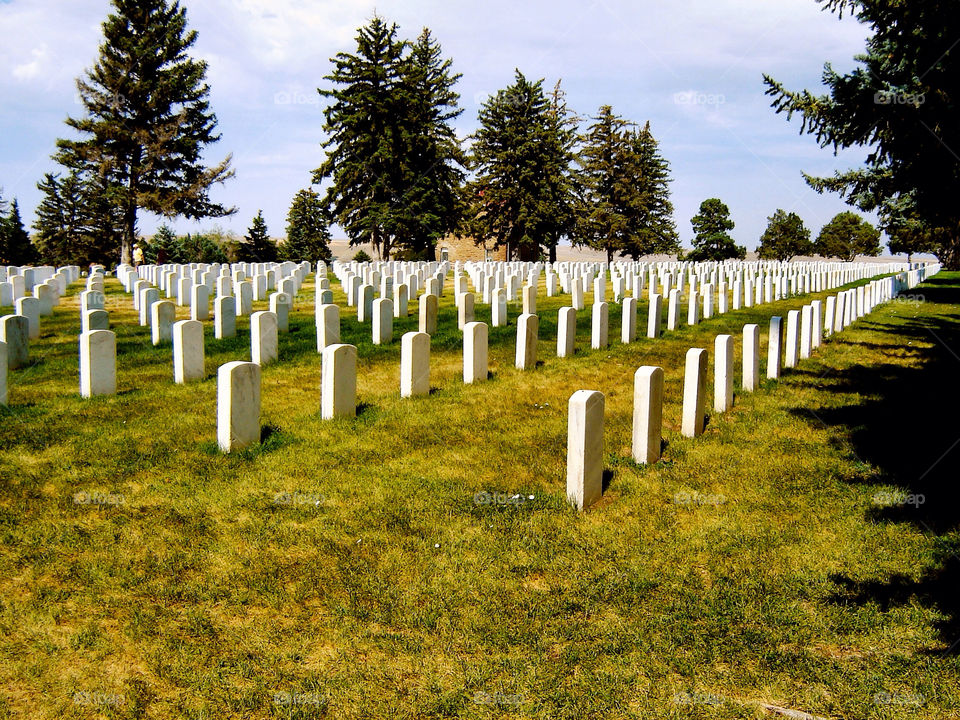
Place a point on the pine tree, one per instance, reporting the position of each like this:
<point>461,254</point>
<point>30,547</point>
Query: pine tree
<point>16,248</point>
<point>711,241</point>
<point>785,237</point>
<point>76,223</point>
<point>521,194</point>
<point>365,140</point>
<point>147,118</point>
<point>432,206</point>
<point>900,103</point>
<point>846,236</point>
<point>308,237</point>
<point>657,232</point>
<point>164,247</point>
<point>257,245</point>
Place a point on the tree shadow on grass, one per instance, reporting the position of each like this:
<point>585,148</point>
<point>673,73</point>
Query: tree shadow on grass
<point>905,426</point>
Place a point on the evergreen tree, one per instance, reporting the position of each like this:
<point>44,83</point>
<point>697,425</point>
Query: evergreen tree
<point>785,237</point>
<point>365,138</point>
<point>147,118</point>
<point>15,245</point>
<point>308,237</point>
<point>846,236</point>
<point>711,239</point>
<point>657,231</point>
<point>76,223</point>
<point>257,245</point>
<point>901,104</point>
<point>164,247</point>
<point>202,248</point>
<point>432,206</point>
<point>521,193</point>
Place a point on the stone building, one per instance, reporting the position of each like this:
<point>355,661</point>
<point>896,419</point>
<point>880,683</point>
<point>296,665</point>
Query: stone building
<point>465,249</point>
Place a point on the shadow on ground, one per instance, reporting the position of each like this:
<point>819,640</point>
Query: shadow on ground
<point>907,427</point>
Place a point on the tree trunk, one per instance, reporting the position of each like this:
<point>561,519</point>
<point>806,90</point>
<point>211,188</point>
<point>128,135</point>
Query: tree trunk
<point>129,233</point>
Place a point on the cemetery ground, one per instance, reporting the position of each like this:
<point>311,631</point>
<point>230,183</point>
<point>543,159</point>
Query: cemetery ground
<point>421,560</point>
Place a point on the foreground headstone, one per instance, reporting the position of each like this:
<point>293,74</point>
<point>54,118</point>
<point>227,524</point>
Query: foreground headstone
<point>338,380</point>
<point>225,317</point>
<point>428,314</point>
<point>647,414</point>
<point>238,405</point>
<point>723,373</point>
<point>328,326</point>
<point>263,338</point>
<point>163,313</point>
<point>98,363</point>
<point>188,351</point>
<point>15,333</point>
<point>527,333</point>
<point>774,351</point>
<point>600,328</point>
<point>628,320</point>
<point>3,373</point>
<point>585,448</point>
<point>751,357</point>
<point>382,321</point>
<point>792,350</point>
<point>475,366</point>
<point>566,331</point>
<point>414,364</point>
<point>694,393</point>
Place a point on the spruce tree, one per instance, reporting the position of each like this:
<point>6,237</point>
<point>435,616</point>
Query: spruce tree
<point>15,245</point>
<point>164,247</point>
<point>147,118</point>
<point>900,103</point>
<point>785,237</point>
<point>432,205</point>
<point>521,193</point>
<point>846,236</point>
<point>76,222</point>
<point>711,239</point>
<point>308,237</point>
<point>657,232</point>
<point>365,140</point>
<point>257,245</point>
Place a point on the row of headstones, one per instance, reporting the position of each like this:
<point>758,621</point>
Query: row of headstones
<point>44,283</point>
<point>585,408</point>
<point>98,344</point>
<point>238,383</point>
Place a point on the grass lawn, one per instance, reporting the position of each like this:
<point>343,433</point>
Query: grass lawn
<point>421,561</point>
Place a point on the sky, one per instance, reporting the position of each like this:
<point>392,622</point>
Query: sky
<point>693,68</point>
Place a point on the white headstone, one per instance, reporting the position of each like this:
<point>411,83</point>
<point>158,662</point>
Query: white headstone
<point>382,321</point>
<point>238,405</point>
<point>29,307</point>
<point>94,320</point>
<point>647,414</point>
<point>15,334</point>
<point>428,314</point>
<point>723,373</point>
<point>585,448</point>
<point>774,349</point>
<point>200,302</point>
<point>628,320</point>
<point>475,366</point>
<point>98,363</point>
<point>751,357</point>
<point>566,332</point>
<point>3,373</point>
<point>414,364</point>
<point>792,350</point>
<point>655,313</point>
<point>527,333</point>
<point>280,303</point>
<point>328,326</point>
<point>163,313</point>
<point>338,378</point>
<point>694,393</point>
<point>263,338</point>
<point>225,317</point>
<point>188,351</point>
<point>600,327</point>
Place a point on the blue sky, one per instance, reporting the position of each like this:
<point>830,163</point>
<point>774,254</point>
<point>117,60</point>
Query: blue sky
<point>693,68</point>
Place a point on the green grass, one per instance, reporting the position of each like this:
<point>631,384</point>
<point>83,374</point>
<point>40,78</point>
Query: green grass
<point>751,565</point>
